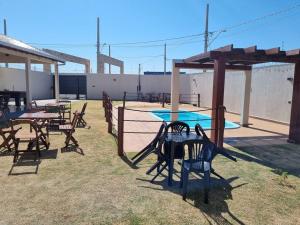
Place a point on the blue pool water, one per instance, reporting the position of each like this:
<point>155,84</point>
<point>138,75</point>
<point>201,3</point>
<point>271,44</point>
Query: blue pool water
<point>185,116</point>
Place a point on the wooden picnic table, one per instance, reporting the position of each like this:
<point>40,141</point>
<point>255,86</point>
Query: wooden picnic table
<point>43,117</point>
<point>61,105</point>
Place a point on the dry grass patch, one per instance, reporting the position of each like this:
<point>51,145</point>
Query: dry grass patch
<point>100,188</point>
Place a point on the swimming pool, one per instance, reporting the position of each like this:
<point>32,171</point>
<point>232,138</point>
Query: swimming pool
<point>185,116</point>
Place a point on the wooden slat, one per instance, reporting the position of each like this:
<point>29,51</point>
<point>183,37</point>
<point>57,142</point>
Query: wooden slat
<point>195,58</point>
<point>227,48</point>
<point>251,49</point>
<point>262,58</point>
<point>204,57</point>
<point>272,51</point>
<point>293,52</point>
<point>210,66</point>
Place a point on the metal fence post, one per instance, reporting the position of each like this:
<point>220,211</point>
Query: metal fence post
<point>163,100</point>
<point>120,131</point>
<point>198,101</point>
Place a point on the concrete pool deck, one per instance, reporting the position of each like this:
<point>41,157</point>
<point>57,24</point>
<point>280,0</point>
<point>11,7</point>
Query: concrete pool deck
<point>259,133</point>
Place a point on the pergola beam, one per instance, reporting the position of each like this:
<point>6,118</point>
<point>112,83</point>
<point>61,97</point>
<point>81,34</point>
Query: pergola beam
<point>255,59</point>
<point>24,55</point>
<point>71,58</point>
<point>227,48</point>
<point>293,52</point>
<point>272,51</point>
<point>250,50</point>
<point>210,66</point>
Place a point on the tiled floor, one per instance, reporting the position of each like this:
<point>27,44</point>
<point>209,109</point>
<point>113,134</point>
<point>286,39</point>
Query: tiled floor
<point>260,132</point>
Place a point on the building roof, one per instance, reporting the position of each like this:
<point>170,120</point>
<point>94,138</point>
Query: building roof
<point>16,45</point>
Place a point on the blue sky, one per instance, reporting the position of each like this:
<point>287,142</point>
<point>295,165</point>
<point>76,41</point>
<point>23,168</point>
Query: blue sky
<point>70,26</point>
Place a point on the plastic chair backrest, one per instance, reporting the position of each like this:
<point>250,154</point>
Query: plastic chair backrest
<point>178,127</point>
<point>162,128</point>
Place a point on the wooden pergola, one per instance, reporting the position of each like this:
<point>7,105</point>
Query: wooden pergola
<point>15,51</point>
<point>230,58</point>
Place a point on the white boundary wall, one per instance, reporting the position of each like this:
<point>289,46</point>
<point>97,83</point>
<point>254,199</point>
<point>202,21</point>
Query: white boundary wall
<point>14,80</point>
<point>271,91</point>
<point>270,95</point>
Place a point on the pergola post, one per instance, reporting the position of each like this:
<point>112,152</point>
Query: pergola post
<point>174,91</point>
<point>87,68</point>
<point>217,101</point>
<point>56,81</point>
<point>28,82</point>
<point>294,133</point>
<point>122,68</point>
<point>246,98</point>
<point>47,68</point>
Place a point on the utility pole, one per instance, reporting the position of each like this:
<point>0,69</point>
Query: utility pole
<point>109,54</point>
<point>206,31</point>
<point>99,64</point>
<point>165,59</point>
<point>5,33</point>
<point>98,36</point>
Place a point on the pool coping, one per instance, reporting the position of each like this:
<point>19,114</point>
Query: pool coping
<point>227,128</point>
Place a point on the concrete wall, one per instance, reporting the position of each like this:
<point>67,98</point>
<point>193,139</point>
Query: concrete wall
<point>115,85</point>
<point>271,92</point>
<point>14,80</point>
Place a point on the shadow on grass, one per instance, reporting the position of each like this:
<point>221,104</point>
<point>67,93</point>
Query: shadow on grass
<point>49,154</point>
<point>221,190</point>
<point>269,151</point>
<point>128,162</point>
<point>6,152</point>
<point>27,160</point>
<point>23,162</point>
<point>72,148</point>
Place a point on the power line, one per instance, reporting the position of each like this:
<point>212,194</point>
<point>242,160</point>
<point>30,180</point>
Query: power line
<point>147,44</point>
<point>159,40</point>
<point>138,57</point>
<point>263,17</point>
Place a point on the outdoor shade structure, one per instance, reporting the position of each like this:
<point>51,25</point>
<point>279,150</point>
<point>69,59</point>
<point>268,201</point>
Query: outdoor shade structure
<point>230,58</point>
<point>14,51</point>
<point>69,58</point>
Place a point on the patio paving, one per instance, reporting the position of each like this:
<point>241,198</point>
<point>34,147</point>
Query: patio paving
<point>259,133</point>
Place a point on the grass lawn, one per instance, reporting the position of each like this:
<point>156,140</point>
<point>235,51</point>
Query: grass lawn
<point>101,188</point>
